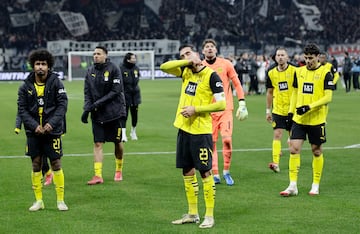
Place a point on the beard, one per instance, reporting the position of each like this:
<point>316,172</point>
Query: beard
<point>40,74</point>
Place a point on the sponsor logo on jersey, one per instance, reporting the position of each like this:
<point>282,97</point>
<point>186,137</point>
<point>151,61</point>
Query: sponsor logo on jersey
<point>308,88</point>
<point>191,88</point>
<point>283,86</point>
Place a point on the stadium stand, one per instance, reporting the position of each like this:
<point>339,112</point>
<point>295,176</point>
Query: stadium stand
<point>26,25</point>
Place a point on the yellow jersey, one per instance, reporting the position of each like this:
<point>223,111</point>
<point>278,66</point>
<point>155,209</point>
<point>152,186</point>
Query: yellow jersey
<point>195,91</point>
<point>333,71</point>
<point>40,90</point>
<point>311,86</point>
<point>282,84</point>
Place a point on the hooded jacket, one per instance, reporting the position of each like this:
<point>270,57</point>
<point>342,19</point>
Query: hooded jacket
<point>131,76</point>
<point>104,93</point>
<point>55,103</point>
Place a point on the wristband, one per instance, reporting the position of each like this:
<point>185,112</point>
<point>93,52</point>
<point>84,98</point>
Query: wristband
<point>268,111</point>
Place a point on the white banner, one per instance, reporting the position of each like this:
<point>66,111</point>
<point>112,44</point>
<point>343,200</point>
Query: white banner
<point>311,16</point>
<point>154,5</point>
<point>74,22</point>
<point>263,11</point>
<point>20,19</point>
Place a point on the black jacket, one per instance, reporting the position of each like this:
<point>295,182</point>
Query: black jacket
<point>131,76</point>
<point>104,93</point>
<point>55,103</point>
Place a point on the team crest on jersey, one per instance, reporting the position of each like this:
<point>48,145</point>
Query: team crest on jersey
<point>308,88</point>
<point>41,101</point>
<point>283,86</point>
<point>191,88</point>
<point>136,73</point>
<point>106,76</point>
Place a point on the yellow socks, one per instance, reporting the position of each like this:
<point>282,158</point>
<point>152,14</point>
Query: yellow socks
<point>317,165</point>
<point>192,192</point>
<point>276,150</point>
<point>98,169</point>
<point>59,184</point>
<point>209,195</point>
<point>118,164</point>
<point>294,166</point>
<point>37,185</point>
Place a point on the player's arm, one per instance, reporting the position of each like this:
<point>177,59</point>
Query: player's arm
<point>328,86</point>
<point>219,96</point>
<point>269,97</point>
<point>88,101</point>
<point>174,66</point>
<point>335,74</point>
<point>23,111</point>
<point>61,106</point>
<point>18,123</point>
<point>241,112</point>
<point>293,99</point>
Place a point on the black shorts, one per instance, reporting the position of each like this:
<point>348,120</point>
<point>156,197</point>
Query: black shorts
<point>45,145</point>
<point>316,134</point>
<point>107,132</point>
<point>194,151</point>
<point>279,121</point>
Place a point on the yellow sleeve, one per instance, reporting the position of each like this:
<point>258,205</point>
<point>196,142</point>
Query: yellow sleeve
<point>293,101</point>
<point>324,100</point>
<point>174,66</point>
<point>212,107</point>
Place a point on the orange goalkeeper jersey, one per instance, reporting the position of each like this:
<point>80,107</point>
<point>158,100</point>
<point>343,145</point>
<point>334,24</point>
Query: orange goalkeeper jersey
<point>228,75</point>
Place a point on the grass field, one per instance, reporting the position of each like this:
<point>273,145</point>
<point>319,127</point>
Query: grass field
<point>152,193</point>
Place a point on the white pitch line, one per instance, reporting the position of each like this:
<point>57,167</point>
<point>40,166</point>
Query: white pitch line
<point>173,152</point>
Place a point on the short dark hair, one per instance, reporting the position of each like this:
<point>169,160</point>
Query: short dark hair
<point>192,47</point>
<point>41,55</point>
<point>102,48</point>
<point>127,56</point>
<point>311,49</point>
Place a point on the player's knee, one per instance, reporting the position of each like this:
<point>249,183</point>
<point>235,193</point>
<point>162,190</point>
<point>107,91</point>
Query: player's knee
<point>205,174</point>
<point>227,141</point>
<point>56,164</point>
<point>317,152</point>
<point>188,171</point>
<point>36,164</point>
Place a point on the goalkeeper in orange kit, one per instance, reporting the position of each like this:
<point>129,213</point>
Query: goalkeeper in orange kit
<point>223,121</point>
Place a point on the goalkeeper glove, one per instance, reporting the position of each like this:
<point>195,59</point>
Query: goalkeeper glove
<point>302,109</point>
<point>242,112</point>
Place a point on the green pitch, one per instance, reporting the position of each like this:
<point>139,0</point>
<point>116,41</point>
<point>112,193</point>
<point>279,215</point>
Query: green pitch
<point>152,193</point>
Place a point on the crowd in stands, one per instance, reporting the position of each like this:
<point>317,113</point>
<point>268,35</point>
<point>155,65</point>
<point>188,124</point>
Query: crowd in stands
<point>233,22</point>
